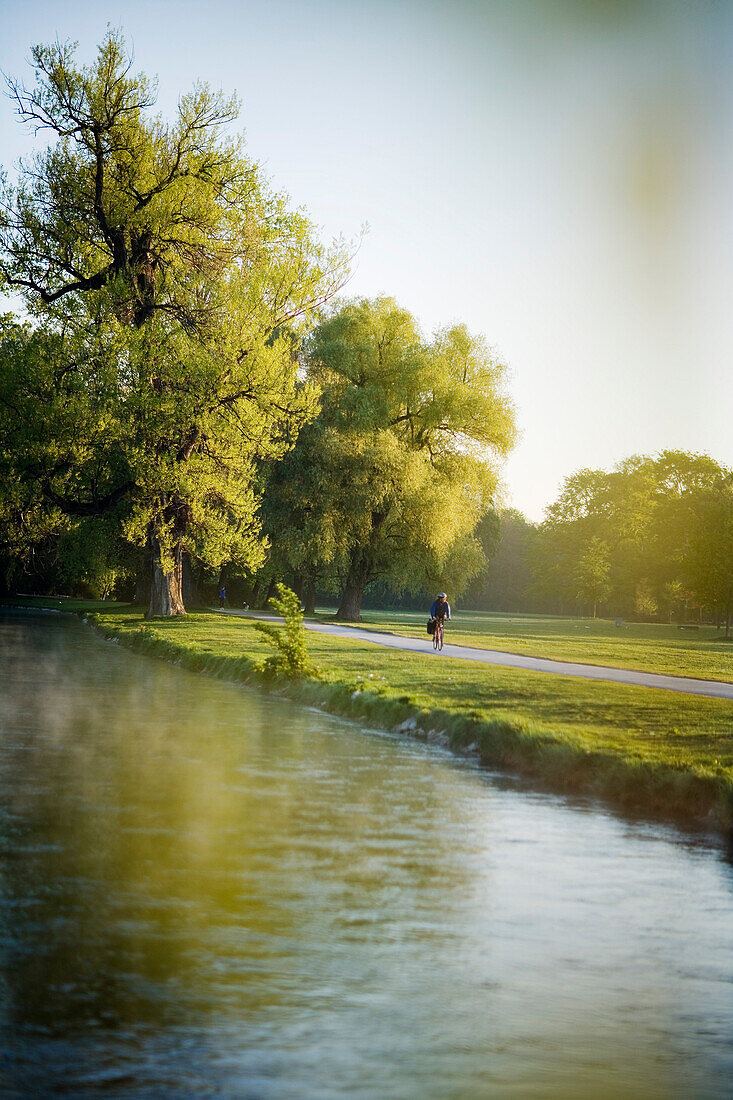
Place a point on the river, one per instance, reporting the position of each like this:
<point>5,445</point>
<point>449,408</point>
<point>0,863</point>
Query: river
<point>207,891</point>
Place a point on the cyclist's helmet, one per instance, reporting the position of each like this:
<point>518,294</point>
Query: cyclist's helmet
<point>442,596</point>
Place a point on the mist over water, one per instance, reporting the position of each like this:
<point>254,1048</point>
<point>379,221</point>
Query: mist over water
<point>206,891</point>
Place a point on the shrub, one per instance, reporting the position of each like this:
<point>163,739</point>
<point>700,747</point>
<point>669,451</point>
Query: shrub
<point>291,655</point>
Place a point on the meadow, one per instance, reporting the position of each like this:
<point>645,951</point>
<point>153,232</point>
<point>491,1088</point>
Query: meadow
<point>698,651</point>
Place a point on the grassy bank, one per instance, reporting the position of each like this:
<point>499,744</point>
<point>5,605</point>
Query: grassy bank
<point>698,651</point>
<point>655,752</point>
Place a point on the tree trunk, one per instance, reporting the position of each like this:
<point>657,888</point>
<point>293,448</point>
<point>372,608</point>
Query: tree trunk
<point>349,609</point>
<point>6,567</point>
<point>142,583</point>
<point>166,589</point>
<point>264,605</point>
<point>310,596</point>
<point>189,589</point>
<point>143,574</point>
<point>360,573</point>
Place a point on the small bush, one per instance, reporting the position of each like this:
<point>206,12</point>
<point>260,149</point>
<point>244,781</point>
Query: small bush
<point>291,655</point>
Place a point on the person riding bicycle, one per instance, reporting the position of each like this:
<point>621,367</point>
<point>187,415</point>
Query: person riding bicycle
<point>440,608</point>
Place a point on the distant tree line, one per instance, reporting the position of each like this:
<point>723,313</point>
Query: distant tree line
<point>651,539</point>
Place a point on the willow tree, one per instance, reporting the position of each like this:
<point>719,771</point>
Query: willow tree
<point>403,459</point>
<point>180,285</point>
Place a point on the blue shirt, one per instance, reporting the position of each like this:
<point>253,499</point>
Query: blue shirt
<point>444,608</point>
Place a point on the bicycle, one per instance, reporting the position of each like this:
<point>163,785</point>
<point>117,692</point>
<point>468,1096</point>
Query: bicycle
<point>438,635</point>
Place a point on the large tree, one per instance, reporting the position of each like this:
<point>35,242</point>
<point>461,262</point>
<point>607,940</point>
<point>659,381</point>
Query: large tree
<point>401,463</point>
<point>179,287</point>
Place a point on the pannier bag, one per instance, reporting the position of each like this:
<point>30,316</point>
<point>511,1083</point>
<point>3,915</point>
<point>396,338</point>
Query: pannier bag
<point>431,626</point>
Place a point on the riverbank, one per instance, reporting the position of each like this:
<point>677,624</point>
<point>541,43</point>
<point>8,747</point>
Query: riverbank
<point>650,752</point>
<point>207,887</point>
<point>654,753</point>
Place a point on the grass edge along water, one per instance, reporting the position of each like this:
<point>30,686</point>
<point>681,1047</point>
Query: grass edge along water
<point>678,789</point>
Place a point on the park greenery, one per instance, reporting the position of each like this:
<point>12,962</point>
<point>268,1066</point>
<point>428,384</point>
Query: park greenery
<point>166,288</point>
<point>650,540</point>
<point>288,640</point>
<point>185,401</point>
<point>655,751</point>
<point>700,651</point>
<point>653,538</point>
<point>393,476</point>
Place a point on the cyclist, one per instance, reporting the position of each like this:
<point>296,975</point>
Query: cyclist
<point>440,608</point>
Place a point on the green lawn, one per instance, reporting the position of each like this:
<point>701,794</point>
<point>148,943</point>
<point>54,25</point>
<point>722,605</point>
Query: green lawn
<point>650,647</point>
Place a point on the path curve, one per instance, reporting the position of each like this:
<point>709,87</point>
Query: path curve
<point>716,689</point>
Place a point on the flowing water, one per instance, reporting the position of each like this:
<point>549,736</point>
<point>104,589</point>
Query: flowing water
<point>209,892</point>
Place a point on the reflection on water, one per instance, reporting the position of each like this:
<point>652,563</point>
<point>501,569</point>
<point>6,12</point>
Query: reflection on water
<point>206,892</point>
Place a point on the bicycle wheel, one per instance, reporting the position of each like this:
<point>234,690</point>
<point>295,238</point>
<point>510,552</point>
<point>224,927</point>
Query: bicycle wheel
<point>436,637</point>
<point>440,640</point>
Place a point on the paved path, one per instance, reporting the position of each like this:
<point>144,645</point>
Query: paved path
<point>714,688</point>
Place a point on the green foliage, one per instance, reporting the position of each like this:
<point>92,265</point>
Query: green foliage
<point>393,476</point>
<point>591,573</point>
<point>291,654</point>
<point>507,539</point>
<point>170,288</point>
<point>709,557</point>
<point>92,558</point>
<point>645,604</point>
<point>655,516</point>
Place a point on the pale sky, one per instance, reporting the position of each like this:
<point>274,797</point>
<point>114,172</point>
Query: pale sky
<point>556,173</point>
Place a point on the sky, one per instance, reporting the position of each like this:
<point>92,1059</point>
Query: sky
<point>557,174</point>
